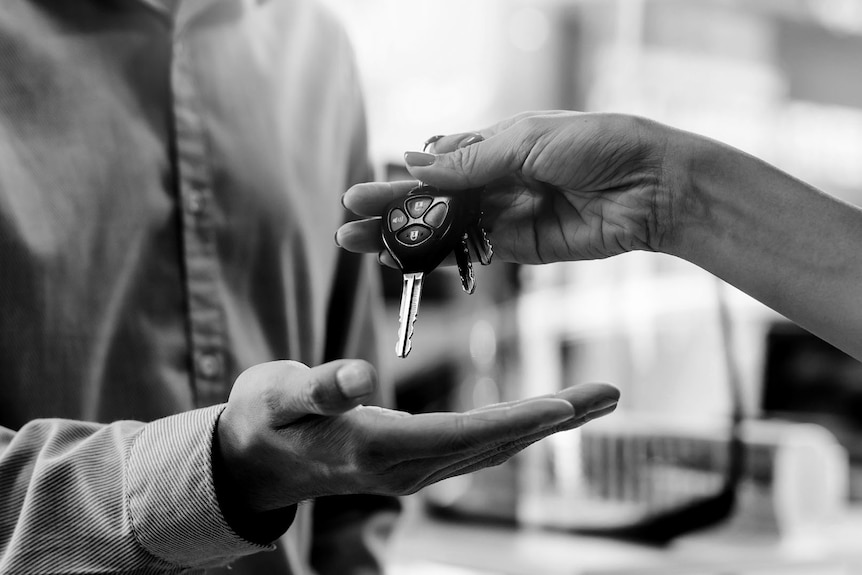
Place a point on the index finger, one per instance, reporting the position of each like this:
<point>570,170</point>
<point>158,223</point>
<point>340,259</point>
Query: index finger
<point>585,398</point>
<point>450,142</point>
<point>370,199</point>
<point>445,434</point>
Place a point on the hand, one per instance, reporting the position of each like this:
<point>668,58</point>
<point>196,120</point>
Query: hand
<point>291,433</point>
<point>559,186</point>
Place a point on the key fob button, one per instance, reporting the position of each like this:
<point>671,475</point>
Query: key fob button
<point>397,219</point>
<point>436,214</point>
<point>417,206</point>
<point>413,235</point>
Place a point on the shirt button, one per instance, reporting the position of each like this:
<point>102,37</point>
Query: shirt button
<point>209,364</point>
<point>195,201</point>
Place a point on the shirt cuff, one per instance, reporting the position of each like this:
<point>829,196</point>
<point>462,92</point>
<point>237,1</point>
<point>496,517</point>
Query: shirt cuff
<point>171,497</point>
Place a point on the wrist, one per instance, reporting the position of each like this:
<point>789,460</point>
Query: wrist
<point>681,204</point>
<point>260,527</point>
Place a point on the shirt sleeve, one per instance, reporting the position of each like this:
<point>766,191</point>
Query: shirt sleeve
<point>119,498</point>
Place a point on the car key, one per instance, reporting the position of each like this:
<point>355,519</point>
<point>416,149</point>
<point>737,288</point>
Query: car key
<point>476,236</point>
<point>465,266</point>
<point>478,240</point>
<point>419,232</point>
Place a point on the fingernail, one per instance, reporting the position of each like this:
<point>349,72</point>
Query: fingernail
<point>602,404</point>
<point>335,237</point>
<point>419,159</point>
<point>354,381</point>
<point>430,141</point>
<point>471,139</point>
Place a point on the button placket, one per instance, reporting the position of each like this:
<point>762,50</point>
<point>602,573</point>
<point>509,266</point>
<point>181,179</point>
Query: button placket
<point>209,364</point>
<point>207,331</point>
<point>196,202</point>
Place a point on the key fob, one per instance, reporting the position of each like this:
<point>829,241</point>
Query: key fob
<point>423,228</point>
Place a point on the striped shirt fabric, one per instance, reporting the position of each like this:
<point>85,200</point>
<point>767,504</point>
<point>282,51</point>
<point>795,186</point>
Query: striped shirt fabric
<point>120,498</point>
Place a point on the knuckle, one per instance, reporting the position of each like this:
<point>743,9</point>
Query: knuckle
<point>531,124</point>
<point>315,393</point>
<point>526,135</point>
<point>271,399</point>
<point>467,157</point>
<point>534,127</point>
<point>304,401</point>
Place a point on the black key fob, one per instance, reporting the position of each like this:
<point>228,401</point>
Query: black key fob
<point>423,228</point>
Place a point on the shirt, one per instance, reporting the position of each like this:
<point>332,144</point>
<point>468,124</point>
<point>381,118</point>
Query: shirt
<point>169,192</point>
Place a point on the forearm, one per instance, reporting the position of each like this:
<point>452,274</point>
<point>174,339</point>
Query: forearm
<point>783,242</point>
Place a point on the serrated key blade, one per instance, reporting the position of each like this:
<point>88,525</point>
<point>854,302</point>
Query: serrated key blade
<point>465,266</point>
<point>411,294</point>
<point>480,243</point>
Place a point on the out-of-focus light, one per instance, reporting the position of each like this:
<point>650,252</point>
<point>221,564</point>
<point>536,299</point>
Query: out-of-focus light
<point>448,492</point>
<point>529,29</point>
<point>483,343</point>
<point>485,392</point>
<point>839,15</point>
<point>822,144</point>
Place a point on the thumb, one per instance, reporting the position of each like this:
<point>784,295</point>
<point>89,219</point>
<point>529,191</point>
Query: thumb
<point>329,389</point>
<point>471,166</point>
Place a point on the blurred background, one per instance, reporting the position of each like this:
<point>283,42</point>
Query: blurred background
<point>723,400</point>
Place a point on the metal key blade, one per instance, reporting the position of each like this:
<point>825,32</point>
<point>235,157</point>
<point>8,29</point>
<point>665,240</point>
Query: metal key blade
<point>480,243</point>
<point>411,293</point>
<point>465,266</point>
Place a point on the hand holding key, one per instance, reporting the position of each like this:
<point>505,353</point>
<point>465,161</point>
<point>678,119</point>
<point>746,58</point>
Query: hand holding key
<point>419,231</point>
<point>558,186</point>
